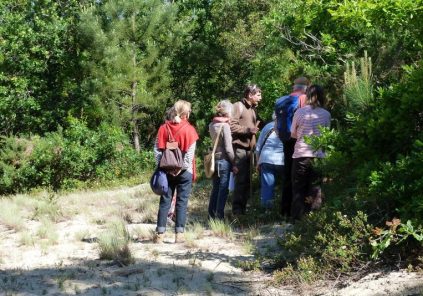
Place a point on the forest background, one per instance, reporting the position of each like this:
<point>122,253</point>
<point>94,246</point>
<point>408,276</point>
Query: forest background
<point>85,84</point>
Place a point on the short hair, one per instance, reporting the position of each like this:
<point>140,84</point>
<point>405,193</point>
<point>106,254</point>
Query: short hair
<point>315,96</point>
<point>251,89</point>
<point>301,83</point>
<point>224,108</point>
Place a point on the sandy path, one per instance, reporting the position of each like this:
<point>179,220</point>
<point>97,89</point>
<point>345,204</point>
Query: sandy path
<point>209,266</point>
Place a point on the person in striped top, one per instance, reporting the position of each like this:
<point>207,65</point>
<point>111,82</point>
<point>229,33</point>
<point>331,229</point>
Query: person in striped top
<point>306,122</point>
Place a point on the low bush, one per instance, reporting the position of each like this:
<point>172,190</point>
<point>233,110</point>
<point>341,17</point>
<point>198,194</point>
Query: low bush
<point>69,158</point>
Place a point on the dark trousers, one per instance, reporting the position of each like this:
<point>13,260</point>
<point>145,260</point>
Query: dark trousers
<point>242,181</point>
<point>286,200</point>
<point>303,179</point>
<point>182,183</point>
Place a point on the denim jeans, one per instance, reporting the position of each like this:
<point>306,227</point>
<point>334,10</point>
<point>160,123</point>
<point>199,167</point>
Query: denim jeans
<point>270,175</point>
<point>220,191</point>
<point>182,183</point>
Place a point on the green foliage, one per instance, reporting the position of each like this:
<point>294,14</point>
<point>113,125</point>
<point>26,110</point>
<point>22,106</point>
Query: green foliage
<point>39,71</point>
<point>373,172</point>
<point>336,240</point>
<point>127,48</point>
<point>397,233</point>
<point>65,158</point>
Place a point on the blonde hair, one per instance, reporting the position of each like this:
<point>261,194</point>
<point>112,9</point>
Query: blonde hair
<point>224,108</point>
<point>182,108</point>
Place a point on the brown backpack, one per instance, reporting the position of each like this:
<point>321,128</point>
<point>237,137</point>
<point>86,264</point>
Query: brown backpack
<point>172,159</point>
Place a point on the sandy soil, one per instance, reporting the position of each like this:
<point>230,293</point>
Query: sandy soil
<point>209,266</point>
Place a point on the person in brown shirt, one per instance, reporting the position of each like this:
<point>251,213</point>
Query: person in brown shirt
<point>244,127</point>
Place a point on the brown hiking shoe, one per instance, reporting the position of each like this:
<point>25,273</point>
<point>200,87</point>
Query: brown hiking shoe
<point>158,238</point>
<point>179,237</point>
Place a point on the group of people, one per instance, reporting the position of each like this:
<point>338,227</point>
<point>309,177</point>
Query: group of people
<point>234,127</point>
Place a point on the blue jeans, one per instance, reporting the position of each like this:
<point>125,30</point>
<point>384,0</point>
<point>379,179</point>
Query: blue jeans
<point>270,175</point>
<point>182,184</point>
<point>220,191</point>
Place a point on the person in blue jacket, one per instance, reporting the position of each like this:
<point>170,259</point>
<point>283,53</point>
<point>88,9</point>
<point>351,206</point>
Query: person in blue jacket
<point>270,164</point>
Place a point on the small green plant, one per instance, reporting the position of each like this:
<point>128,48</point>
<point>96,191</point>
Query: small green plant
<point>114,243</point>
<point>248,246</point>
<point>306,271</point>
<point>248,265</point>
<point>395,234</point>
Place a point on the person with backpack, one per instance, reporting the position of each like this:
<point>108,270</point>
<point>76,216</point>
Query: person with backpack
<point>306,122</point>
<point>175,137</point>
<point>244,127</point>
<point>269,152</point>
<point>220,133</point>
<point>285,108</point>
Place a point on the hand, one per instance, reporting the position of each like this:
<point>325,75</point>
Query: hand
<point>235,170</point>
<point>254,130</point>
<point>258,168</point>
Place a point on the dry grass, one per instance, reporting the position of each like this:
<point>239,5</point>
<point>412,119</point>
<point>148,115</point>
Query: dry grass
<point>221,228</point>
<point>47,231</point>
<point>142,233</point>
<point>148,210</point>
<point>82,235</point>
<point>114,243</point>
<point>26,238</point>
<point>11,215</point>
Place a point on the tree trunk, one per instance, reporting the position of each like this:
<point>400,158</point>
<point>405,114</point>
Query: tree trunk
<point>135,131</point>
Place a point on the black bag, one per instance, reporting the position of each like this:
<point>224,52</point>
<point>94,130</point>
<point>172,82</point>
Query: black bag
<point>172,159</point>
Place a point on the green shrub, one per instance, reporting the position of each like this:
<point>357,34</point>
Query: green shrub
<point>339,241</point>
<point>69,158</point>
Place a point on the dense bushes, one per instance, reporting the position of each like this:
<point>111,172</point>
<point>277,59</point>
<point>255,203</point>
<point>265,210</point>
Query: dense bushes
<point>65,158</point>
<point>374,188</point>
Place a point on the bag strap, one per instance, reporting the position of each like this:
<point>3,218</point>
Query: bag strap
<point>265,139</point>
<point>217,139</point>
<point>170,136</point>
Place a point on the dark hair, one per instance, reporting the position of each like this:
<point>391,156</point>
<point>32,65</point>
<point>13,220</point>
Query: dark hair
<point>251,89</point>
<point>315,96</point>
<point>170,113</point>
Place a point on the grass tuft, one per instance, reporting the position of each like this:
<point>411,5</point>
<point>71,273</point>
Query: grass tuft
<point>221,228</point>
<point>114,243</point>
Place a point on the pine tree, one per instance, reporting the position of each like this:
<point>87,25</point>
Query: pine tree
<point>128,46</point>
